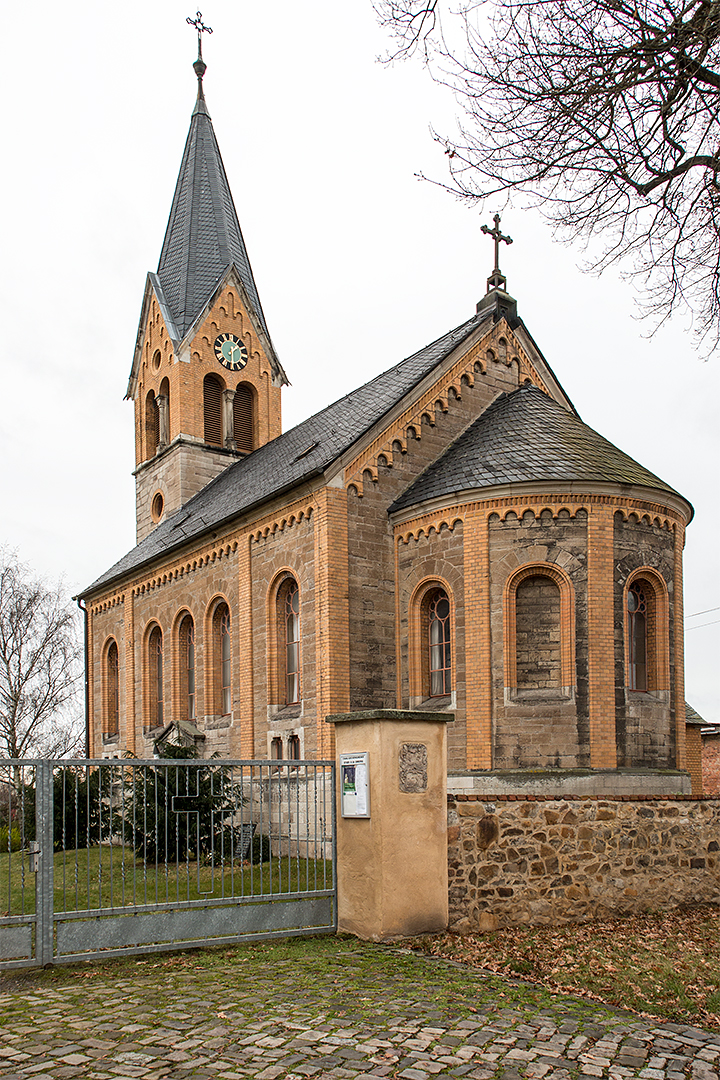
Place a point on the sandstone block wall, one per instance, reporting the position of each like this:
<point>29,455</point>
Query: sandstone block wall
<point>535,861</point>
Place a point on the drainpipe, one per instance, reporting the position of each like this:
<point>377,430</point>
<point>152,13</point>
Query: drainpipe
<point>79,603</point>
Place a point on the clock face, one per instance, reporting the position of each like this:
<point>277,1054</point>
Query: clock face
<point>230,352</point>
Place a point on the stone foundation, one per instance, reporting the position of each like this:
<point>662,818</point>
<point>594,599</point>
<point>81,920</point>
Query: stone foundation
<point>527,860</point>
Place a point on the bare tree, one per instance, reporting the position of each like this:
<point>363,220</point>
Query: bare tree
<point>604,113</point>
<point>39,666</point>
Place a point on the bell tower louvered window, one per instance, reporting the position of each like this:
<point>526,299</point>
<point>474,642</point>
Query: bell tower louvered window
<point>212,407</point>
<point>243,408</point>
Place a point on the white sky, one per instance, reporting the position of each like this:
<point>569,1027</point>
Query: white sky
<point>358,264</point>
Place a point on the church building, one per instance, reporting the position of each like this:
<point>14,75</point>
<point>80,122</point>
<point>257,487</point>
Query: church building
<point>448,537</point>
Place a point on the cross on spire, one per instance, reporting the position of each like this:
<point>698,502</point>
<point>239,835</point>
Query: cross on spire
<point>200,66</point>
<point>201,29</point>
<point>496,279</point>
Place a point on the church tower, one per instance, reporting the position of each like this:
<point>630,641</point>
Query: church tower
<point>205,380</point>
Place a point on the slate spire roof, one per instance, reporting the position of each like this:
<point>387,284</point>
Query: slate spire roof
<point>203,237</point>
<point>526,436</point>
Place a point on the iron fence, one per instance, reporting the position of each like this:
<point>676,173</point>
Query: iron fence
<point>105,857</point>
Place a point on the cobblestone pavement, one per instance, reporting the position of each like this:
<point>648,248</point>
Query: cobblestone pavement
<point>327,1008</point>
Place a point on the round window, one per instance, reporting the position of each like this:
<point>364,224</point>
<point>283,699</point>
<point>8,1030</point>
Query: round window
<point>156,360</point>
<point>158,505</point>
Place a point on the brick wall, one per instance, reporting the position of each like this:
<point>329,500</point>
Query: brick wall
<point>693,759</point>
<point>534,861</point>
<point>645,721</point>
<point>290,549</point>
<point>711,764</point>
<point>538,726</point>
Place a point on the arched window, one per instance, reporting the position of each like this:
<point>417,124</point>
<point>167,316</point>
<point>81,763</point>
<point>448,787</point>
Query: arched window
<point>163,406</point>
<point>187,668</point>
<point>430,643</point>
<point>647,656</point>
<point>222,661</point>
<point>291,620</point>
<point>212,409</point>
<point>637,611</point>
<point>538,634</point>
<point>539,626</point>
<point>152,424</point>
<point>155,709</point>
<point>284,653</point>
<point>439,659</point>
<point>112,690</point>
<point>243,408</point>
<point>294,748</point>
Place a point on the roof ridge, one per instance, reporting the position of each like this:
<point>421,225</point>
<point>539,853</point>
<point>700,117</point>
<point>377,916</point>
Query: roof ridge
<point>289,459</point>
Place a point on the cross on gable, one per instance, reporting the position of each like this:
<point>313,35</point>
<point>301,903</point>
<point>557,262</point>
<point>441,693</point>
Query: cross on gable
<point>496,279</point>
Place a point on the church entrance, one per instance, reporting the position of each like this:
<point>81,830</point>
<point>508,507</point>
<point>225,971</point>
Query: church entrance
<point>104,858</point>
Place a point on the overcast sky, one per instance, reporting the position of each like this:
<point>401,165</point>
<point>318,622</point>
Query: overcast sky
<point>358,263</point>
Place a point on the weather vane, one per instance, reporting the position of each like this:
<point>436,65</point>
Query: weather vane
<point>496,279</point>
<point>201,29</point>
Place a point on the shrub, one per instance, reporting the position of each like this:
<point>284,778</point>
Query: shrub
<point>261,851</point>
<point>12,835</point>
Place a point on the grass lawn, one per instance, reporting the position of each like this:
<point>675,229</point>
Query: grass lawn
<point>662,965</point>
<point>103,877</point>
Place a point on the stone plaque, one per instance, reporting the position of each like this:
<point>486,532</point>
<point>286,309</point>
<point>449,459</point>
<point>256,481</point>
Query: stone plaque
<point>413,763</point>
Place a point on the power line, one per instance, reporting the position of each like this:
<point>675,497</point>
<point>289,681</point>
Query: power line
<point>699,626</point>
<point>705,612</point>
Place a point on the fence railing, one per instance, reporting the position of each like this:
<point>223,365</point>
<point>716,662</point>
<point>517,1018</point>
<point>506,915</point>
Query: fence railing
<point>85,844</point>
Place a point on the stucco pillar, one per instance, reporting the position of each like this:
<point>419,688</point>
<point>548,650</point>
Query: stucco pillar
<point>392,865</point>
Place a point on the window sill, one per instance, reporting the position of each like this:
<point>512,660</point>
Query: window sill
<point>108,740</point>
<point>445,703</point>
<point>661,697</point>
<point>285,712</point>
<point>564,695</point>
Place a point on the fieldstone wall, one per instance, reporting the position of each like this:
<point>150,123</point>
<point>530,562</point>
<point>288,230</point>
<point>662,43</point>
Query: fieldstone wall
<point>517,861</point>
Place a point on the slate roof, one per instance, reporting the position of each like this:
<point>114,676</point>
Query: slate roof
<point>525,436</point>
<point>292,458</point>
<point>203,236</point>
<point>693,717</point>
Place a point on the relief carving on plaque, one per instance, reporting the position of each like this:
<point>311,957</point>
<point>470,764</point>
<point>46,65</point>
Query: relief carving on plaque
<point>413,767</point>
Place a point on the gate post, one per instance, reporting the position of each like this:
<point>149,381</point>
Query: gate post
<point>44,879</point>
<point>392,870</point>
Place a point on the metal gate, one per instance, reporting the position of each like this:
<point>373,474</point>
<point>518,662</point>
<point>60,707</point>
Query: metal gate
<point>106,858</point>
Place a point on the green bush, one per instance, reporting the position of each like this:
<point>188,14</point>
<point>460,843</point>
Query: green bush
<point>260,848</point>
<point>13,835</point>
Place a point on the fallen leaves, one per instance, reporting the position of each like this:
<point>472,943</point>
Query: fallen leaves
<point>665,964</point>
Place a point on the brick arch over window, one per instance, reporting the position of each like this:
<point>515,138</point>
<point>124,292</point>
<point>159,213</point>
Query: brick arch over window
<point>111,688</point>
<point>647,637</point>
<point>284,644</point>
<point>432,640</point>
<point>244,421</point>
<point>153,679</point>
<point>152,425</point>
<point>213,388</point>
<point>219,656</point>
<point>539,645</point>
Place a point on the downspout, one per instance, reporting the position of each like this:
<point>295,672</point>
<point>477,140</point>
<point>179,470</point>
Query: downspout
<point>84,610</point>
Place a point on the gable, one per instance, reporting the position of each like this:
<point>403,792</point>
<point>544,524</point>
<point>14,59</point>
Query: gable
<point>343,440</point>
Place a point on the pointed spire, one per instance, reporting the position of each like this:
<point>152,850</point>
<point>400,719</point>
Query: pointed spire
<point>203,237</point>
